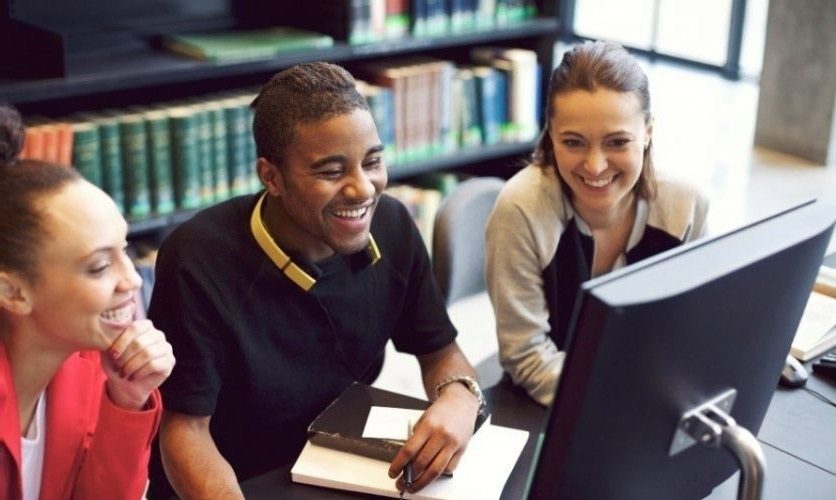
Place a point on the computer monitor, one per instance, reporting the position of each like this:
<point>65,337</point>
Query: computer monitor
<point>661,337</point>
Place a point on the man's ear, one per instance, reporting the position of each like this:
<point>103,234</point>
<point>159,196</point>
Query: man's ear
<point>15,295</point>
<point>270,176</point>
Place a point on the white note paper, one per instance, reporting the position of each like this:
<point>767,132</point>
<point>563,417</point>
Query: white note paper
<point>390,423</point>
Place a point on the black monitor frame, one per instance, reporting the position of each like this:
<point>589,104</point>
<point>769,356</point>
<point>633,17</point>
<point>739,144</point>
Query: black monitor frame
<point>661,337</point>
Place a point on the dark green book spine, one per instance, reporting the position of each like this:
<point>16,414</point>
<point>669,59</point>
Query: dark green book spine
<point>161,181</point>
<point>87,151</point>
<point>236,120</point>
<point>220,152</point>
<point>204,147</point>
<point>185,156</point>
<point>111,150</point>
<point>135,165</point>
<point>252,156</point>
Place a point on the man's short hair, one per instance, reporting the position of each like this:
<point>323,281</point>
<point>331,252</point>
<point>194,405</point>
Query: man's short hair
<point>303,94</point>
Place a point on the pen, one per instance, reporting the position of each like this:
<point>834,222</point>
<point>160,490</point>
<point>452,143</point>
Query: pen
<point>407,470</point>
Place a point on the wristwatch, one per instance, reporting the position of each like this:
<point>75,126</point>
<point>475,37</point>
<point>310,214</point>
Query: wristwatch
<point>469,382</point>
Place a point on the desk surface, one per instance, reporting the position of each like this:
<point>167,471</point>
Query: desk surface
<point>798,437</point>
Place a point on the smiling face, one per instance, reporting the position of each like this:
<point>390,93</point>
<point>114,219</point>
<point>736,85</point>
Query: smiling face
<point>325,191</point>
<point>83,295</point>
<point>599,139</point>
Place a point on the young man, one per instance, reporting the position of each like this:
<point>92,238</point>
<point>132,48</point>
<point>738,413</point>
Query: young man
<point>276,302</point>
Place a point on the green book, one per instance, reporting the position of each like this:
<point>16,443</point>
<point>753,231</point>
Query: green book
<point>185,156</point>
<point>245,44</point>
<point>87,151</point>
<point>237,127</point>
<point>220,152</point>
<point>252,155</point>
<point>160,178</point>
<point>135,165</point>
<point>111,158</point>
<point>204,148</point>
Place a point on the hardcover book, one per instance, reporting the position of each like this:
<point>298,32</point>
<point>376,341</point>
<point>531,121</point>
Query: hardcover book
<point>245,44</point>
<point>340,426</point>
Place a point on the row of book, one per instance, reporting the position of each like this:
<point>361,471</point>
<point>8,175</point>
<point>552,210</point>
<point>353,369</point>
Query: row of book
<point>49,141</point>
<point>369,21</point>
<point>184,155</point>
<point>157,159</point>
<point>426,107</point>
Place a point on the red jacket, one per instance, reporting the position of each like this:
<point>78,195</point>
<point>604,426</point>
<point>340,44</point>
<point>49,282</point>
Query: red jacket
<point>94,449</point>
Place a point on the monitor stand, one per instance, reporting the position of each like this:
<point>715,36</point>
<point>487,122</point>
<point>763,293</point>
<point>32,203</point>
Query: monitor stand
<point>711,425</point>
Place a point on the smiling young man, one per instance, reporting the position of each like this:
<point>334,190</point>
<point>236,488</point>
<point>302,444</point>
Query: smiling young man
<point>589,203</point>
<point>277,302</point>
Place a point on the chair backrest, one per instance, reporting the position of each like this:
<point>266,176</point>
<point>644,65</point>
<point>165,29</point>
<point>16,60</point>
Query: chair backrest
<point>459,237</point>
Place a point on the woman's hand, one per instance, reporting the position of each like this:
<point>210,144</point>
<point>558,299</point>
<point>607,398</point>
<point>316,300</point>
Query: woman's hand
<point>139,360</point>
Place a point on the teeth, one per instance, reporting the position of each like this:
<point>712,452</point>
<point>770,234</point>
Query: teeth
<point>351,214</point>
<point>597,183</point>
<point>119,315</point>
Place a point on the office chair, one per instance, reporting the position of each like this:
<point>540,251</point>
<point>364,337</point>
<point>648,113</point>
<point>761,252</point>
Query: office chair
<point>458,265</point>
<point>459,237</point>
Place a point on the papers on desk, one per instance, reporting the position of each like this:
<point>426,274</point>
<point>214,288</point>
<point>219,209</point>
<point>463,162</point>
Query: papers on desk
<point>817,330</point>
<point>384,422</point>
<point>482,472</point>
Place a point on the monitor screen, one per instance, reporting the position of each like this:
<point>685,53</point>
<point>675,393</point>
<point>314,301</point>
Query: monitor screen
<point>652,341</point>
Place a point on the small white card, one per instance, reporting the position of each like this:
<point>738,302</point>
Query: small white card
<point>390,423</point>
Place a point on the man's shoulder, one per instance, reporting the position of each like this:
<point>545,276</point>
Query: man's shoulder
<point>389,219</point>
<point>215,224</point>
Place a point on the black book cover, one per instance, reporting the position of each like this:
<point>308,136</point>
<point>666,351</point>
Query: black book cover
<point>340,425</point>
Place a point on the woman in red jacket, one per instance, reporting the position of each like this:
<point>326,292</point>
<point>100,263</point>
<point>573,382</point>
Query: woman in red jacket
<point>79,404</point>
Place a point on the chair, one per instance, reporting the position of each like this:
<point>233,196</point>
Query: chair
<point>459,237</point>
<point>458,265</point>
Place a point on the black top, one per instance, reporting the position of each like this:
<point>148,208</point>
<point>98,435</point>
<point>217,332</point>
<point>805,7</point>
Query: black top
<point>572,265</point>
<point>262,355</point>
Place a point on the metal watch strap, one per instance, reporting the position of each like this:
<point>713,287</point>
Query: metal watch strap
<point>469,382</point>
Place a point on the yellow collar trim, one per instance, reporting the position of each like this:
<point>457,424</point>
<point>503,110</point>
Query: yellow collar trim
<point>295,273</point>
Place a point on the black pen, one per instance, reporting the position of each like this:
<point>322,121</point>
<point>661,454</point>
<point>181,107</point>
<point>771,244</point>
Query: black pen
<point>407,470</point>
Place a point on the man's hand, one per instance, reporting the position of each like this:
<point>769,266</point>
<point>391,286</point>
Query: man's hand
<point>139,360</point>
<point>439,437</point>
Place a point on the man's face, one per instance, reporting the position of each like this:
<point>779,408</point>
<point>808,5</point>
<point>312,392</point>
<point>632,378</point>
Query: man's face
<point>328,186</point>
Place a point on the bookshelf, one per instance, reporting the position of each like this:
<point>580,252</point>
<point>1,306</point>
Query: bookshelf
<point>140,73</point>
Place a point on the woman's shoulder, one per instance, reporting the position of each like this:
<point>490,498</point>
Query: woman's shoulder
<point>675,191</point>
<point>678,206</point>
<point>532,189</point>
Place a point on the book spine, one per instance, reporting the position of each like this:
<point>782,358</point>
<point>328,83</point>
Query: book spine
<point>377,449</point>
<point>397,19</point>
<point>64,149</point>
<point>87,151</point>
<point>471,135</point>
<point>220,152</point>
<point>252,155</point>
<point>185,156</point>
<point>160,170</point>
<point>135,166</point>
<point>445,104</point>
<point>206,167</point>
<point>50,141</point>
<point>33,144</point>
<point>488,98</point>
<point>236,122</point>
<point>111,150</point>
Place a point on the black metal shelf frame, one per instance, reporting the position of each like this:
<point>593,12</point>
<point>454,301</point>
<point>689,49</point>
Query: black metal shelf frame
<point>110,71</point>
